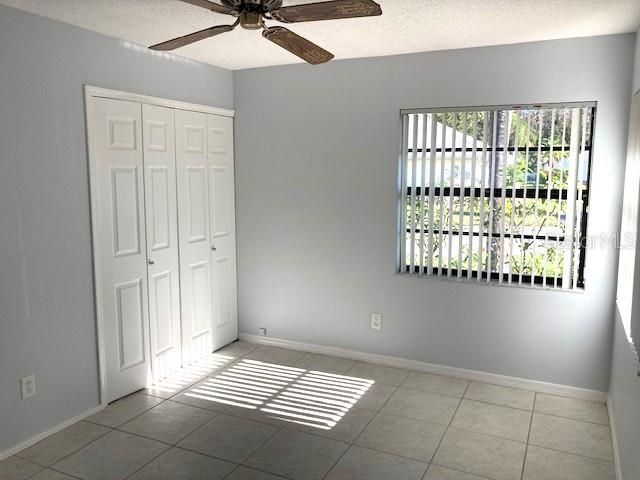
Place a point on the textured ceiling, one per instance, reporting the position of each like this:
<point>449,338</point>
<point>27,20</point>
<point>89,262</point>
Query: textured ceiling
<point>406,26</point>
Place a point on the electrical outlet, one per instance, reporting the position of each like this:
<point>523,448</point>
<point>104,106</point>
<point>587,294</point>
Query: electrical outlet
<point>28,386</point>
<point>376,321</point>
<point>263,331</point>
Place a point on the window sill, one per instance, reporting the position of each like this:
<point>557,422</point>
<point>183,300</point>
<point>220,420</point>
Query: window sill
<point>492,283</point>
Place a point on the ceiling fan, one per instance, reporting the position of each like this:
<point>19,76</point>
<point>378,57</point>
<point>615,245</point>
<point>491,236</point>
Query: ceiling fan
<point>252,13</point>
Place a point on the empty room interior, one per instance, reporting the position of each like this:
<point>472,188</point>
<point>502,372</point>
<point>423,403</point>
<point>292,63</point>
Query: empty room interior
<point>319,240</point>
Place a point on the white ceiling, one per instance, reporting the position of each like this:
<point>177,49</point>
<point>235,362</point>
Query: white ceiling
<point>406,26</point>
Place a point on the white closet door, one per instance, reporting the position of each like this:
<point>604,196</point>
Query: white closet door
<point>162,239</point>
<point>116,142</point>
<point>223,229</point>
<point>193,233</point>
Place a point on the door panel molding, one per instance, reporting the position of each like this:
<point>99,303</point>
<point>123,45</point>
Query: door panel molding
<point>160,217</point>
<point>130,333</point>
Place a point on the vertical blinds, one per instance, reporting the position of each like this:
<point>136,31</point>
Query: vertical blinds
<point>497,194</point>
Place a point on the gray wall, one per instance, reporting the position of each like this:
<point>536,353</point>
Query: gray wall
<point>624,390</point>
<point>316,153</point>
<point>47,321</point>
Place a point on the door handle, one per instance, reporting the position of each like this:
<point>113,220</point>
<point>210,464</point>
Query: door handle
<point>151,262</point>
<point>213,248</point>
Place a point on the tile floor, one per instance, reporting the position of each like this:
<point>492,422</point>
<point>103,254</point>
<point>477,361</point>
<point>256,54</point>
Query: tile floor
<point>265,413</point>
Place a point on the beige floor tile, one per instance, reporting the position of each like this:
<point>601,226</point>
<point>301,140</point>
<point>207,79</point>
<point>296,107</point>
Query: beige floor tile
<point>251,382</point>
<point>317,396</point>
<point>364,464</point>
<point>571,436</point>
<point>499,395</point>
<point>378,373</point>
<point>505,422</point>
<point>245,383</point>
<point>276,355</point>
<point>435,472</point>
<point>573,408</point>
<point>202,395</point>
<point>210,363</point>
<point>161,391</point>
<point>543,464</point>
<point>376,396</point>
<point>402,436</point>
<point>297,455</point>
<point>123,410</point>
<point>112,457</point>
<point>14,468</point>
<point>396,426</point>
<point>179,464</point>
<point>260,416</point>
<point>50,475</point>
<point>237,349</point>
<point>346,429</point>
<point>230,438</point>
<point>167,389</point>
<point>168,422</point>
<point>57,446</point>
<point>187,376</point>
<point>436,384</point>
<point>325,363</point>
<point>429,407</point>
<point>261,371</point>
<point>244,473</point>
<point>492,457</point>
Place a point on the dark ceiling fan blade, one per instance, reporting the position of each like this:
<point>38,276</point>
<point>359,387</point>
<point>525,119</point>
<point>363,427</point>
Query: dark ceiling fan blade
<point>300,46</point>
<point>192,37</point>
<point>327,11</point>
<point>214,7</point>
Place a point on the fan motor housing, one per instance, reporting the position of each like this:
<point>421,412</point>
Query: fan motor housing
<point>251,20</point>
<point>263,5</point>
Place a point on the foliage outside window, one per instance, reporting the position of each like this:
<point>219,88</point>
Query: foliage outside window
<point>497,194</point>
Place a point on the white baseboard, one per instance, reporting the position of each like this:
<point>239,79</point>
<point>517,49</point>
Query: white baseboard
<point>61,426</point>
<point>614,440</point>
<point>389,361</point>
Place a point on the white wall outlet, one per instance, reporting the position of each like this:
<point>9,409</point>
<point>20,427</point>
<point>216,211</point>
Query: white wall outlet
<point>28,386</point>
<point>263,331</point>
<point>376,321</point>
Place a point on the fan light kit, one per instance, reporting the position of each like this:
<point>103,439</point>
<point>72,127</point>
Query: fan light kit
<point>251,15</point>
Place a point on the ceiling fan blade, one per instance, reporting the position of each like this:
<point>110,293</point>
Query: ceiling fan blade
<point>192,37</point>
<point>300,46</point>
<point>214,7</point>
<point>327,11</point>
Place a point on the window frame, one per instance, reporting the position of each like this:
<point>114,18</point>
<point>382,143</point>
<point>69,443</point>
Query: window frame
<point>494,278</point>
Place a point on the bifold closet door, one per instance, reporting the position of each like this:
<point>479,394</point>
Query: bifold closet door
<point>158,135</point>
<point>194,234</point>
<point>115,131</point>
<point>223,228</point>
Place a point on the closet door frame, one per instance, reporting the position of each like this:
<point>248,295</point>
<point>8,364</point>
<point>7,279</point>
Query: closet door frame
<point>91,93</point>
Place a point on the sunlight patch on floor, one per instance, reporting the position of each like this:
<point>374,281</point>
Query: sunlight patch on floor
<point>183,377</point>
<point>308,397</point>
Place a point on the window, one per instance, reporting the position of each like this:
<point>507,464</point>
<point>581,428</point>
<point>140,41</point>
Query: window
<point>497,194</point>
